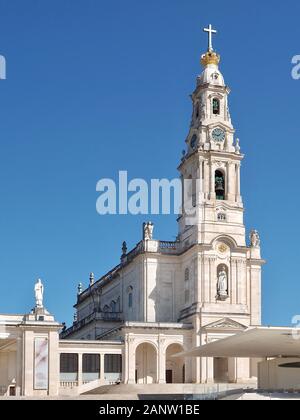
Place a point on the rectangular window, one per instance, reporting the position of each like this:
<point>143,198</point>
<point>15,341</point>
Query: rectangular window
<point>113,363</point>
<point>90,367</point>
<point>130,301</point>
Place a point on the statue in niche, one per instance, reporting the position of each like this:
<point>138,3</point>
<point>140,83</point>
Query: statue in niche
<point>222,285</point>
<point>255,239</point>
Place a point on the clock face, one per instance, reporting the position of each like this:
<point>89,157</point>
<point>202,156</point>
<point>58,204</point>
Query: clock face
<point>193,141</point>
<point>218,135</point>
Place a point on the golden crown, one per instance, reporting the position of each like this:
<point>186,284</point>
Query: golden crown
<point>210,57</point>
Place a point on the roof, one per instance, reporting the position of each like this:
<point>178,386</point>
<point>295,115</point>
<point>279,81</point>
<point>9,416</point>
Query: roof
<point>260,342</point>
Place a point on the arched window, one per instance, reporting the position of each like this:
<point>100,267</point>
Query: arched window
<point>130,297</point>
<point>197,112</point>
<point>220,185</point>
<point>187,285</point>
<point>216,106</point>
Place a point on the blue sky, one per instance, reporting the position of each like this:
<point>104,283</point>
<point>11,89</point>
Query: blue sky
<point>94,87</point>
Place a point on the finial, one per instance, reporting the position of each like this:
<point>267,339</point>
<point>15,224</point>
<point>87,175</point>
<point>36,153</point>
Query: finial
<point>124,249</point>
<point>210,57</point>
<point>79,289</point>
<point>210,32</point>
<point>92,279</point>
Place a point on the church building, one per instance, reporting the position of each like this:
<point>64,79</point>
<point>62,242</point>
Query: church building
<point>165,298</point>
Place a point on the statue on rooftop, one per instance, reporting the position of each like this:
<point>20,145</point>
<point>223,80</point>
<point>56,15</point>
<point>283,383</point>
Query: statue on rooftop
<point>39,293</point>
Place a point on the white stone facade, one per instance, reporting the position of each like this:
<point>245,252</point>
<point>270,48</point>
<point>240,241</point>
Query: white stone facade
<point>160,284</point>
<point>163,298</point>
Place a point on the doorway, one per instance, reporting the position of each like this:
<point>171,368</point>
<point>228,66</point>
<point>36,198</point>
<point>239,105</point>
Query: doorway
<point>221,374</point>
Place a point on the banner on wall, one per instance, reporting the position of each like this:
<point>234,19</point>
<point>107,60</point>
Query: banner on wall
<point>41,358</point>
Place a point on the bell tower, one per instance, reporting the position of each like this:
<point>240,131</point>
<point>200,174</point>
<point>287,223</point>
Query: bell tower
<point>210,168</point>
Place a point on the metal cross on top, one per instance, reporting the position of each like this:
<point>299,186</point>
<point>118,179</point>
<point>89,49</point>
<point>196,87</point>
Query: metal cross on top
<point>210,32</point>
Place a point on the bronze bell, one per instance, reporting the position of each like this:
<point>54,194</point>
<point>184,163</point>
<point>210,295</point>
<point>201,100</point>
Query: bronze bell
<point>219,184</point>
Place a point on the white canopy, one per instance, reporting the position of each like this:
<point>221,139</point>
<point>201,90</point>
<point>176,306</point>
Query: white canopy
<point>261,342</point>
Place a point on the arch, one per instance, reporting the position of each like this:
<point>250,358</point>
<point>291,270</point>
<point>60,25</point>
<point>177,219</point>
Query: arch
<point>220,185</point>
<point>175,367</point>
<point>227,240</point>
<point>106,308</point>
<point>216,106</point>
<point>146,363</point>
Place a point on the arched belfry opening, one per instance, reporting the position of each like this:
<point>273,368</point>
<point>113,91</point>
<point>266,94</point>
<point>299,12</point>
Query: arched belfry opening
<point>216,106</point>
<point>220,185</point>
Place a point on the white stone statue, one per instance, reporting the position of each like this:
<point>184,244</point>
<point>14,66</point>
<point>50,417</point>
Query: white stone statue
<point>238,147</point>
<point>39,293</point>
<point>148,231</point>
<point>255,239</point>
<point>222,283</point>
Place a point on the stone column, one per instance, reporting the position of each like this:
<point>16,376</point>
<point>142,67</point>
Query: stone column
<point>210,370</point>
<point>195,363</point>
<point>242,370</point>
<point>131,361</point>
<point>201,181</point>
<point>206,179</point>
<point>256,295</point>
<point>232,369</point>
<point>212,181</point>
<point>234,285</point>
<point>19,365</point>
<point>54,363</point>
<point>238,183</point>
<point>79,377</point>
<point>28,368</point>
<point>230,182</point>
<point>161,373</point>
<point>102,367</point>
<point>213,279</point>
<point>199,279</point>
<point>206,282</point>
<point>243,280</point>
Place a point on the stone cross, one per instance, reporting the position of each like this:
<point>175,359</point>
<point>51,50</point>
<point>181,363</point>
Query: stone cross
<point>210,32</point>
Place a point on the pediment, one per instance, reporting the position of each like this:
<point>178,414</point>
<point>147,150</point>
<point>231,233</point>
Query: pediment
<point>225,324</point>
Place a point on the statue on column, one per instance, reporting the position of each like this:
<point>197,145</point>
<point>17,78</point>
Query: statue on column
<point>255,239</point>
<point>222,286</point>
<point>39,293</point>
<point>148,231</point>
